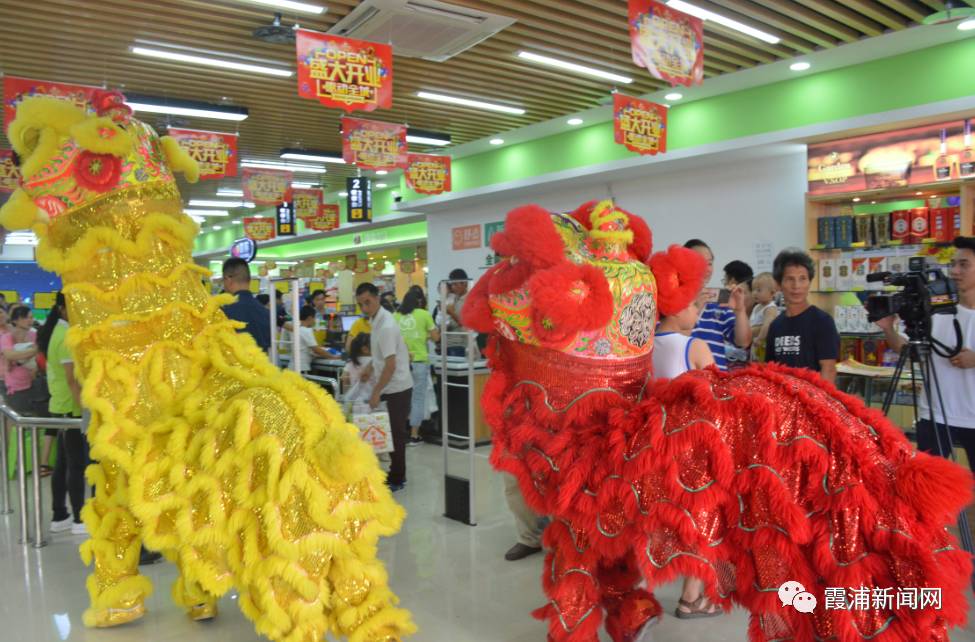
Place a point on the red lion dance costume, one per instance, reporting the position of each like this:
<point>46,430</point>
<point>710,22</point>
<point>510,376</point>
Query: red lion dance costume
<point>746,480</point>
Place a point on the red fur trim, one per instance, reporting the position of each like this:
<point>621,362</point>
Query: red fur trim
<point>567,299</point>
<point>935,486</point>
<point>680,274</point>
<point>530,235</point>
<point>476,313</point>
<point>582,214</point>
<point>642,244</point>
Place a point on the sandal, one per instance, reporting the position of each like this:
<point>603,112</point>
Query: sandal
<point>701,607</point>
<point>46,471</point>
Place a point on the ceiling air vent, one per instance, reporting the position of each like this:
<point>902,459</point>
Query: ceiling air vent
<point>420,28</point>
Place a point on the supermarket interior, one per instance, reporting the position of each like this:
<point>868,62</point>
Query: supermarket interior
<point>482,321</point>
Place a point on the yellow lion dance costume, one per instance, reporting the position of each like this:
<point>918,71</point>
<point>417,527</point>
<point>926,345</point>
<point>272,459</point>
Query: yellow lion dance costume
<point>241,474</point>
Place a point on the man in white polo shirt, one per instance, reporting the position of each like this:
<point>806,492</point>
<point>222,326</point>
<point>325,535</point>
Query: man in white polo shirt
<point>391,362</point>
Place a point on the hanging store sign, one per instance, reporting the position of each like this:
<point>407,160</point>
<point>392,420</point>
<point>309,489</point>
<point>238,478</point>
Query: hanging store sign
<point>914,156</point>
<point>307,202</point>
<point>639,125</point>
<point>371,144</point>
<point>666,42</point>
<point>327,219</point>
<point>216,152</point>
<point>286,222</point>
<point>359,200</point>
<point>428,173</point>
<point>259,229</point>
<point>16,89</point>
<point>9,172</point>
<point>266,186</point>
<point>344,73</point>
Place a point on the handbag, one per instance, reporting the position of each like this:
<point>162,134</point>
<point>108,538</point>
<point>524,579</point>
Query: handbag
<point>374,427</point>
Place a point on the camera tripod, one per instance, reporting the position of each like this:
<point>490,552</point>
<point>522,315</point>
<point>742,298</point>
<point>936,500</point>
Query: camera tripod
<point>918,352</point>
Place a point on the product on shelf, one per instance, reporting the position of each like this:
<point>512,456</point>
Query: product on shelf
<point>876,265</point>
<point>881,228</point>
<point>850,349</point>
<point>861,223</point>
<point>943,163</point>
<point>844,231</point>
<point>900,226</point>
<point>945,223</point>
<point>919,224</point>
<point>966,160</point>
<point>827,274</point>
<point>826,232</point>
<point>844,273</point>
<point>858,269</point>
<point>873,351</point>
<point>897,263</point>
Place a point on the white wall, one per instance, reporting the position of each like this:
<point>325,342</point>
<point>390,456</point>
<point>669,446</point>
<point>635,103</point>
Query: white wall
<point>731,206</point>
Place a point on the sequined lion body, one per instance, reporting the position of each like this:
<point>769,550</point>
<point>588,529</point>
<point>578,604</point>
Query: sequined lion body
<point>245,476</point>
<point>746,480</point>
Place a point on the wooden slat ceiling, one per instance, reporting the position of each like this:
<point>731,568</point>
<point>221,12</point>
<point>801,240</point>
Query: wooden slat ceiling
<point>86,41</point>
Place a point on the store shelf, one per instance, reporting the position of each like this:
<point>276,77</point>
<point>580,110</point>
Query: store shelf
<point>928,190</point>
<point>886,246</point>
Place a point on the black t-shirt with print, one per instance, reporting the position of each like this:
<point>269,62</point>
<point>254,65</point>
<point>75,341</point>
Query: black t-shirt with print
<point>804,340</point>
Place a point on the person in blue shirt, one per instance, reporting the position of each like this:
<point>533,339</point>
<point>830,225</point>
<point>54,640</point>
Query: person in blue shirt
<point>720,323</point>
<point>237,280</point>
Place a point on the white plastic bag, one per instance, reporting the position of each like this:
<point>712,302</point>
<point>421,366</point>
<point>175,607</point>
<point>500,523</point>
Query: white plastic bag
<point>374,426</point>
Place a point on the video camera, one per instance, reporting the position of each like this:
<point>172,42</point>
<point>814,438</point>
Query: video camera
<point>926,291</point>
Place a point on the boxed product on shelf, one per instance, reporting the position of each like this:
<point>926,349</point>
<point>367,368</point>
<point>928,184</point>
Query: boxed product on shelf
<point>844,231</point>
<point>890,358</point>
<point>900,226</point>
<point>850,349</point>
<point>827,274</point>
<point>897,263</point>
<point>858,269</point>
<point>840,319</point>
<point>919,224</point>
<point>941,223</point>
<point>861,229</point>
<point>826,231</point>
<point>844,273</point>
<point>881,228</point>
<point>873,351</point>
<point>876,265</point>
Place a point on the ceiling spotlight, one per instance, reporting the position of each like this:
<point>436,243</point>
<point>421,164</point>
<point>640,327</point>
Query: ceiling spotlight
<point>496,141</point>
<point>800,66</point>
<point>574,121</point>
<point>966,25</point>
<point>343,194</point>
<point>469,102</point>
<point>381,172</point>
<point>856,199</point>
<point>216,227</point>
<point>380,185</point>
<point>289,4</point>
<point>207,61</point>
<point>574,67</point>
<point>673,96</point>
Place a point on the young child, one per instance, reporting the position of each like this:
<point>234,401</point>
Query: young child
<point>359,360</point>
<point>680,276</point>
<point>764,312</point>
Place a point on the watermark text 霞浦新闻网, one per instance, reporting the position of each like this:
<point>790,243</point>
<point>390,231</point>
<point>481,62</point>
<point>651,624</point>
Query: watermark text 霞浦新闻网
<point>889,598</point>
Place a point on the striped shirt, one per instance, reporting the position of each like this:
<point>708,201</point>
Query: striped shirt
<point>715,327</point>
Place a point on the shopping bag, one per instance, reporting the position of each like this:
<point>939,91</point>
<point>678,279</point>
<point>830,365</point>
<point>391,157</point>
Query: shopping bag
<point>374,427</point>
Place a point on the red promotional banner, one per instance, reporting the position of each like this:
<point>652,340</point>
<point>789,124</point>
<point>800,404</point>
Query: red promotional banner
<point>344,73</point>
<point>370,144</point>
<point>266,186</point>
<point>327,219</point>
<point>667,42</point>
<point>14,89</point>
<point>901,158</point>
<point>427,173</point>
<point>308,202</point>
<point>639,125</point>
<point>216,152</point>
<point>9,174</point>
<point>259,229</point>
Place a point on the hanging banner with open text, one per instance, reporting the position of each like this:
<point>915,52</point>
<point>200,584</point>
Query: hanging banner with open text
<point>639,125</point>
<point>266,186</point>
<point>307,202</point>
<point>9,173</point>
<point>216,152</point>
<point>327,219</point>
<point>428,173</point>
<point>371,144</point>
<point>667,42</point>
<point>259,229</point>
<point>15,89</point>
<point>344,73</point>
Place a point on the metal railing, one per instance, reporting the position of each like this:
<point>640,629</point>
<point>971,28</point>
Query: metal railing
<point>21,424</point>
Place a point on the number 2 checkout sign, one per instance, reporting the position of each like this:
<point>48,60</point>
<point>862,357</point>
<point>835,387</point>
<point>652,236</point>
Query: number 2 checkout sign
<point>359,203</point>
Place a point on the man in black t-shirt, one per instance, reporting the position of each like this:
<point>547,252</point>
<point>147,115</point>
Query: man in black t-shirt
<point>805,336</point>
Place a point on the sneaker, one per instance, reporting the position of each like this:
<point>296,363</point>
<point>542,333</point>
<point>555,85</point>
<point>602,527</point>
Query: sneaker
<point>79,528</point>
<point>415,441</point>
<point>396,487</point>
<point>148,557</point>
<point>62,526</point>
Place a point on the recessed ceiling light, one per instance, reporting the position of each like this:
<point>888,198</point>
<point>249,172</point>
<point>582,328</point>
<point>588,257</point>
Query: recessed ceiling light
<point>381,172</point>
<point>192,212</point>
<point>873,202</point>
<point>427,140</point>
<point>343,194</point>
<point>195,202</point>
<point>966,25</point>
<point>496,141</point>
<point>574,121</point>
<point>289,4</point>
<point>226,191</point>
<point>856,199</point>
<point>575,67</point>
<point>303,186</point>
<point>211,62</point>
<point>704,14</point>
<point>293,167</point>
<point>380,185</point>
<point>189,108</point>
<point>197,219</point>
<point>673,96</point>
<point>800,66</point>
<point>216,227</point>
<point>918,193</point>
<point>237,222</point>
<point>315,157</point>
<point>469,102</point>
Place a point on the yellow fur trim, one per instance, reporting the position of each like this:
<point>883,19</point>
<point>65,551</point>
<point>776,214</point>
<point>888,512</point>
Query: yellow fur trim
<point>36,133</point>
<point>179,160</point>
<point>606,212</point>
<point>102,136</point>
<point>19,212</point>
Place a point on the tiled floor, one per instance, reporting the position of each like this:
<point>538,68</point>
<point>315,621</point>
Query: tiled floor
<point>451,576</point>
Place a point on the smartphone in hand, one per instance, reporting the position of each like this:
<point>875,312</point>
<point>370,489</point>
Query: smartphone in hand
<point>724,295</point>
